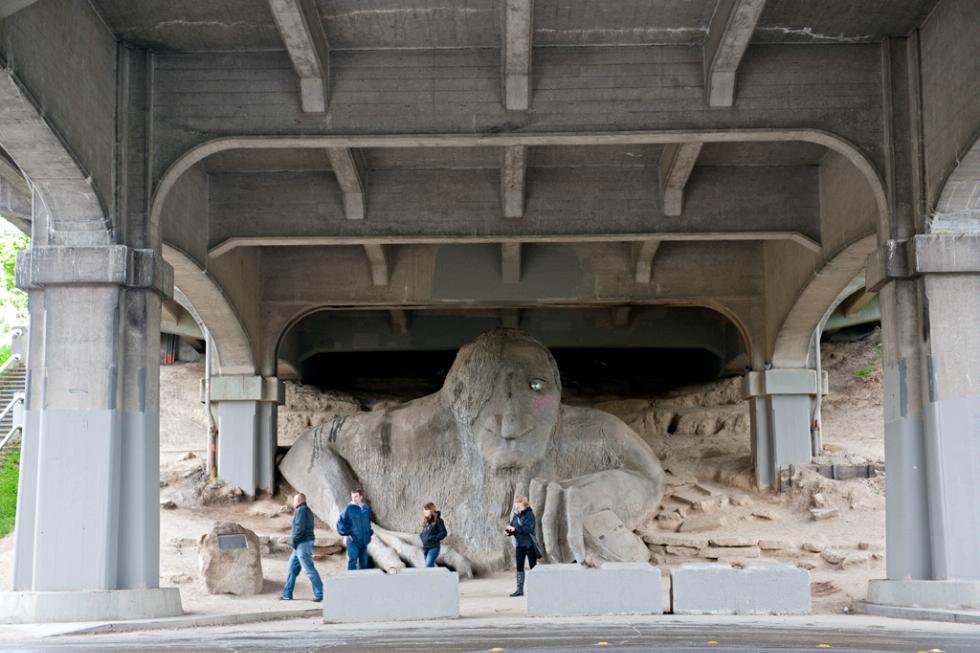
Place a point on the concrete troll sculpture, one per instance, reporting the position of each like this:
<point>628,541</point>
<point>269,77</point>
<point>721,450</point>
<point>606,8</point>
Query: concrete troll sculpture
<point>496,429</point>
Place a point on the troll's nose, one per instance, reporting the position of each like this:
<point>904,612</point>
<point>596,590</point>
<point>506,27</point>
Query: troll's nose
<point>511,426</point>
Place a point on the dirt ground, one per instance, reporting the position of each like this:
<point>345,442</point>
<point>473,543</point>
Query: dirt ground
<point>701,434</point>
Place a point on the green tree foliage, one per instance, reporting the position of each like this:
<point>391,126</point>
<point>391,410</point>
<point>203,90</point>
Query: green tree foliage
<point>13,302</point>
<point>13,312</point>
<point>9,471</point>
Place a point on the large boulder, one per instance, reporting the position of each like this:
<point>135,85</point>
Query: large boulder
<point>230,561</point>
<point>606,535</point>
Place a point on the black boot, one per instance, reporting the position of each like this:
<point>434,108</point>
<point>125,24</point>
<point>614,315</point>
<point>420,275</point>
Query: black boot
<point>520,584</point>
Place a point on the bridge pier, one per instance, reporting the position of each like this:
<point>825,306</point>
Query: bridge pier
<point>247,411</point>
<point>88,524</point>
<point>780,412</point>
<point>929,285</point>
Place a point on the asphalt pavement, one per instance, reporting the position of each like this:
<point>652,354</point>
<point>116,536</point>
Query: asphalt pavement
<point>620,634</point>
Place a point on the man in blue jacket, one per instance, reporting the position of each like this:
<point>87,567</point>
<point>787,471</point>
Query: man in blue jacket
<point>354,525</point>
<point>302,541</point>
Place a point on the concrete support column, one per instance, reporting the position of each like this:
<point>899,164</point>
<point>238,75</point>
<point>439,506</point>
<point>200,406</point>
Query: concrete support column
<point>87,530</point>
<point>929,285</point>
<point>780,411</point>
<point>247,429</point>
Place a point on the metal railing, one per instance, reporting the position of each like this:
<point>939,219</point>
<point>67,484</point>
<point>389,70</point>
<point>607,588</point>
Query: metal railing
<point>13,358</point>
<point>17,348</point>
<point>18,399</point>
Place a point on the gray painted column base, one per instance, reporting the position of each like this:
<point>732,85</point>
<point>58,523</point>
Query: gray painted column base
<point>937,594</point>
<point>89,605</point>
<point>247,410</point>
<point>917,614</point>
<point>780,408</point>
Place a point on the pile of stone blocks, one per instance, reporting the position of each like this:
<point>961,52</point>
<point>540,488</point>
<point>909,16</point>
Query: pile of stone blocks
<point>372,595</point>
<point>570,590</point>
<point>756,588</point>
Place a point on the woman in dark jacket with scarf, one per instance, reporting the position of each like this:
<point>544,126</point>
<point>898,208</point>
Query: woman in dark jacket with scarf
<point>522,530</point>
<point>433,533</point>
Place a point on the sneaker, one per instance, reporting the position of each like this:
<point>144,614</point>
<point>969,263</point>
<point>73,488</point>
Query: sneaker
<point>317,599</point>
<point>285,598</point>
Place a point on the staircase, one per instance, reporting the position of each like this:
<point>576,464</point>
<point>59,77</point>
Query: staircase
<point>13,383</point>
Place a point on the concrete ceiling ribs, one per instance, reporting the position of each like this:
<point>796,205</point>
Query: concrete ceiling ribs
<point>518,35</point>
<point>399,320</point>
<point>676,164</point>
<point>856,302</point>
<point>510,262</point>
<point>643,259</point>
<point>352,176</point>
<point>728,37</point>
<point>513,174</point>
<point>378,256</point>
<point>621,316</point>
<point>196,154</point>
<point>302,33</point>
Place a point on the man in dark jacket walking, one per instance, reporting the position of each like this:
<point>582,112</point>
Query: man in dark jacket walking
<point>302,557</point>
<point>354,525</point>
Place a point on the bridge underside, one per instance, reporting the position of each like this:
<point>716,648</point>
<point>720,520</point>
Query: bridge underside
<point>310,178</point>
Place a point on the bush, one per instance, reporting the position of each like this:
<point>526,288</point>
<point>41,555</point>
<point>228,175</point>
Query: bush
<point>9,473</point>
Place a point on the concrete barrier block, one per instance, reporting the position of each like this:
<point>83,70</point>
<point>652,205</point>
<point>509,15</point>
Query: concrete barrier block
<point>703,588</point>
<point>758,588</point>
<point>372,595</point>
<point>772,588</point>
<point>573,590</point>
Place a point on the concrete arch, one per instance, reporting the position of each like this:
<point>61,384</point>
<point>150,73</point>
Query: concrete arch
<point>816,136</point>
<point>71,212</point>
<point>792,346</point>
<point>958,208</point>
<point>278,329</point>
<point>210,307</point>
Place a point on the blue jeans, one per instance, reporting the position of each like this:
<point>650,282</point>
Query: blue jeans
<point>357,555</point>
<point>431,555</point>
<point>302,558</point>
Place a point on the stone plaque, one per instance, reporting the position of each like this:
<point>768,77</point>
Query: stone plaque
<point>231,542</point>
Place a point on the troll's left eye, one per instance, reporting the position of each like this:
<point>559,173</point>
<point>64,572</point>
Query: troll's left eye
<point>536,384</point>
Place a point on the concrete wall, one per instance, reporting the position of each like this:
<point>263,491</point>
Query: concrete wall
<point>568,200</point>
<point>847,207</point>
<point>184,220</point>
<point>66,57</point>
<point>198,97</point>
<point>658,327</point>
<point>848,213</point>
<point>723,276</point>
<point>788,268</point>
<point>950,104</point>
<point>239,276</point>
<point>450,274</point>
